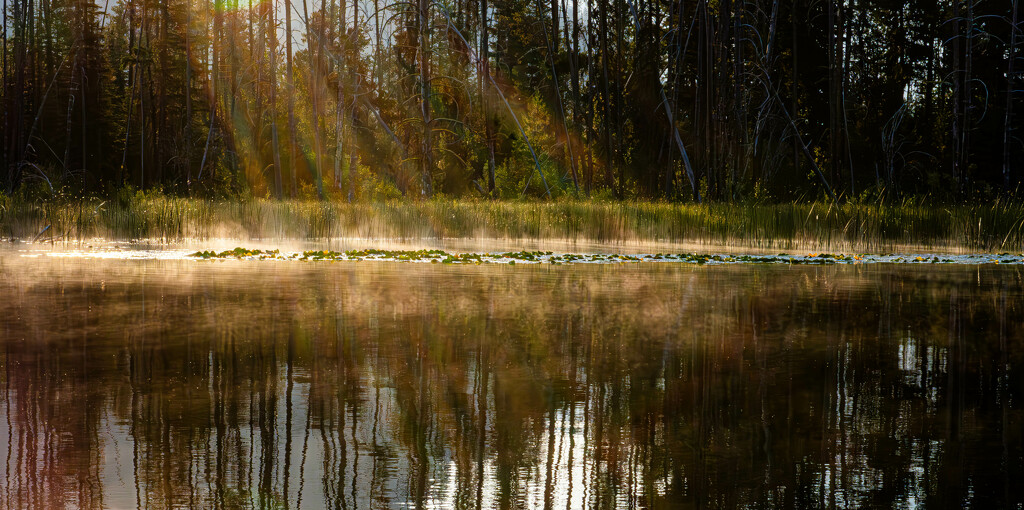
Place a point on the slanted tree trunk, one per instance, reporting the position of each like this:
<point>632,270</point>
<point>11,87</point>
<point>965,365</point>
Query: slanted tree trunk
<point>561,108</point>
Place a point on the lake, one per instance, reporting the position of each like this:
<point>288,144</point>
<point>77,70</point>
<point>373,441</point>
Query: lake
<point>374,384</point>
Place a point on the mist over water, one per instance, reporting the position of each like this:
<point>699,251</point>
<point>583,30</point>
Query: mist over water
<point>239,384</point>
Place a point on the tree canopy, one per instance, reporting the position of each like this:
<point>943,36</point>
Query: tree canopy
<point>678,100</point>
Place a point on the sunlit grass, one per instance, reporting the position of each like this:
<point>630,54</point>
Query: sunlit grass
<point>819,226</point>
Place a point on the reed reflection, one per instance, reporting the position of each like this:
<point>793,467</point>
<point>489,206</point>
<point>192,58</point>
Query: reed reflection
<point>368,385</point>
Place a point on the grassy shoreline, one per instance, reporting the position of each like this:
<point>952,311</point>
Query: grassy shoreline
<point>819,226</point>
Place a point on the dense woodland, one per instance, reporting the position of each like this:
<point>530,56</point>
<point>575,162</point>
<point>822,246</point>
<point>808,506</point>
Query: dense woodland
<point>680,100</point>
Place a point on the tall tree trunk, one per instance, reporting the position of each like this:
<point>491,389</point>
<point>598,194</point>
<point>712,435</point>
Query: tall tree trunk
<point>794,90</point>
<point>256,52</point>
<point>377,53</point>
<point>838,137</point>
<point>133,69</point>
<point>1011,86</point>
<point>314,87</point>
<point>485,79</point>
<point>619,35</point>
<point>215,79</point>
<point>846,15</point>
<point>162,83</point>
<point>423,27</point>
<point>554,26</point>
<point>739,124</point>
<point>833,94</point>
<point>929,91</point>
<point>968,96</point>
<point>958,93</point>
<point>339,128</point>
<point>7,101</point>
<point>591,94</point>
<point>15,97</point>
<point>574,49</point>
<point>606,121</point>
<point>272,50</point>
<point>339,110</point>
<point>188,97</point>
<point>144,86</point>
<point>233,96</point>
<point>354,80</point>
<point>290,86</point>
<point>705,96</point>
<point>71,107</point>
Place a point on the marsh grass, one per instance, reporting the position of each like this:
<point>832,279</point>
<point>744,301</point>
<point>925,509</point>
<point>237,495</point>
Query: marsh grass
<point>821,226</point>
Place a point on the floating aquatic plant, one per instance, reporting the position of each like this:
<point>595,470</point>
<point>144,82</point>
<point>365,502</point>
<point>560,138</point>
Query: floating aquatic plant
<point>539,257</point>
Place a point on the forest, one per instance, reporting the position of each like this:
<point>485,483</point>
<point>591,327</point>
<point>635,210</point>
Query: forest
<point>679,100</point>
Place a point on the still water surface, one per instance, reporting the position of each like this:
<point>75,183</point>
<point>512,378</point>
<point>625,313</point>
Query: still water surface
<point>236,384</point>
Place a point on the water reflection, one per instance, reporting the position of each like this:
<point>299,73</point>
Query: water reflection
<point>359,385</point>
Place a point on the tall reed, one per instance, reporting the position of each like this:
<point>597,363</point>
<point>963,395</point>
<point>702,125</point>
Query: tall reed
<point>820,226</point>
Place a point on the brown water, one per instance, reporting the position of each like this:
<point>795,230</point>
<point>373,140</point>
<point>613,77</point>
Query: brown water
<point>160,383</point>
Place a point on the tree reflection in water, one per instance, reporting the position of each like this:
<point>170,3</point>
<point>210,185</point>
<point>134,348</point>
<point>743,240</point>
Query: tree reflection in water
<point>359,385</point>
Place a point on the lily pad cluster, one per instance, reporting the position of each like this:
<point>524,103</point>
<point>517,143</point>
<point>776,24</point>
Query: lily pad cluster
<point>547,257</point>
<point>238,253</point>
